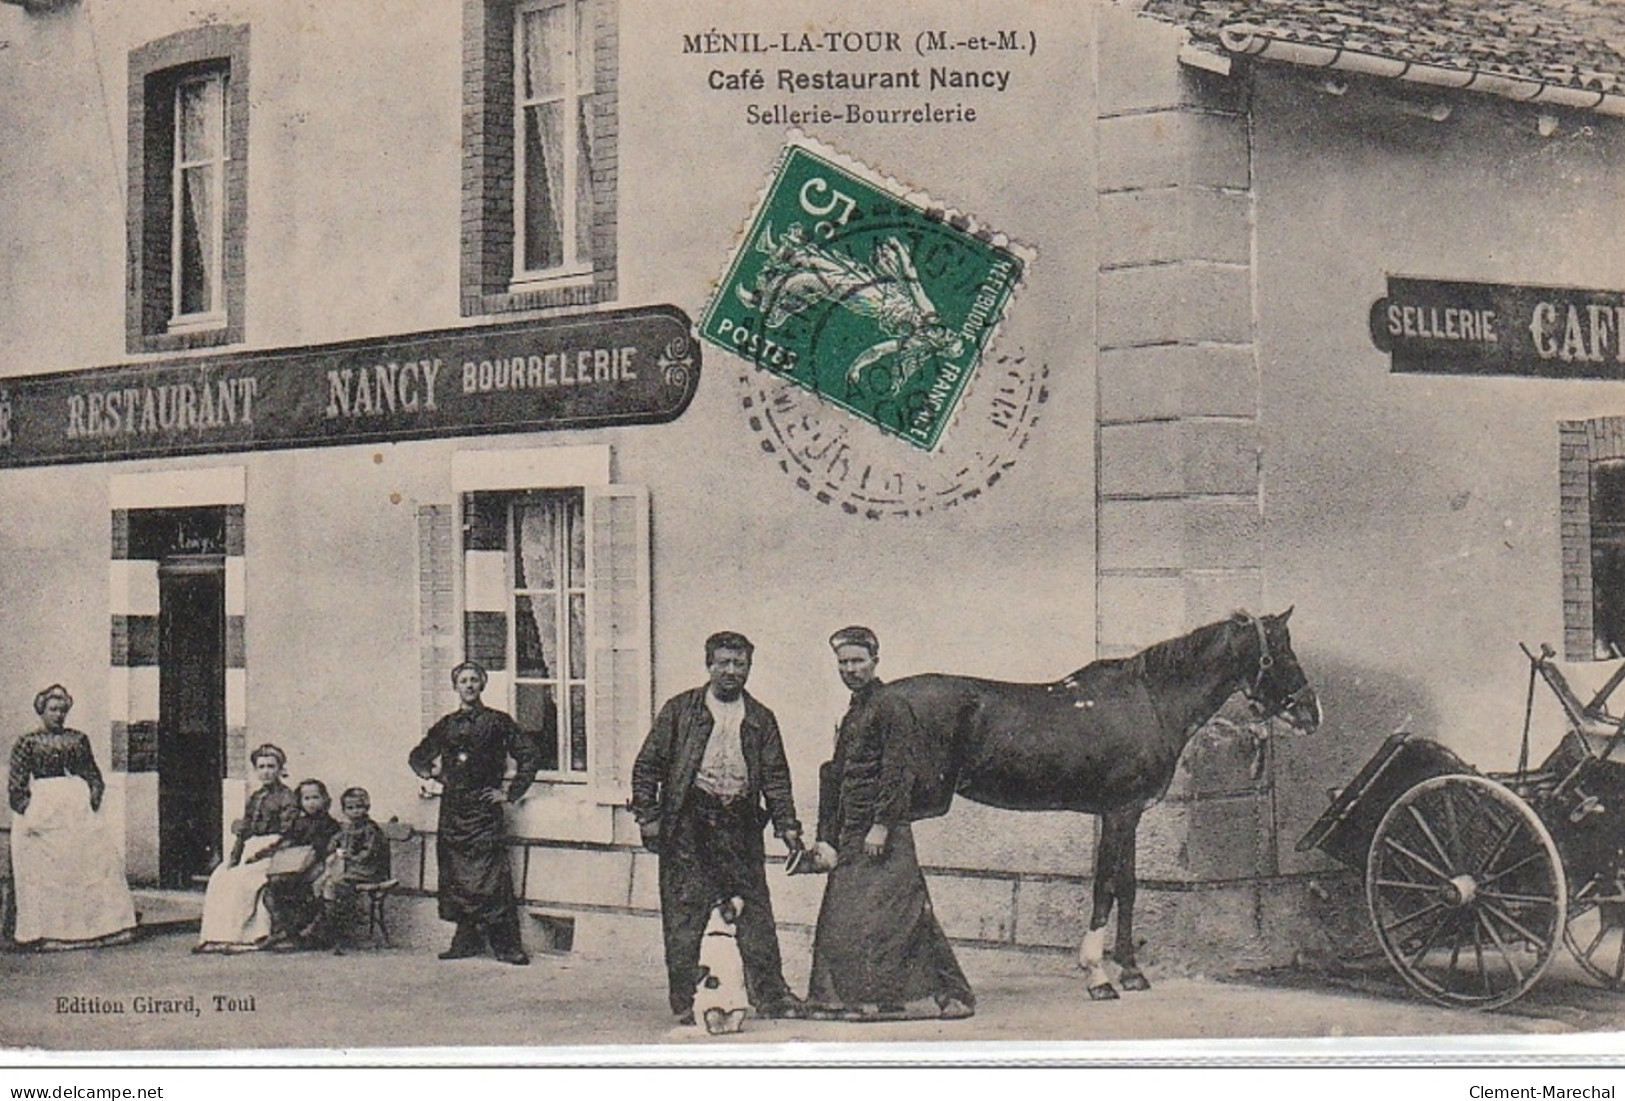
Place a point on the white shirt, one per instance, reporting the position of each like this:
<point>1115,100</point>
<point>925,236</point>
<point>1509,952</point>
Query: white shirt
<point>722,769</point>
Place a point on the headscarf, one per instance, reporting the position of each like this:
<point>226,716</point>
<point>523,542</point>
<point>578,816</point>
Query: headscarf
<point>855,636</point>
<point>269,750</point>
<point>46,694</point>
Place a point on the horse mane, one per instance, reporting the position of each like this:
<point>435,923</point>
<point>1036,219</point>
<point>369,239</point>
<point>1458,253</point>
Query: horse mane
<point>1175,654</point>
<point>1160,659</point>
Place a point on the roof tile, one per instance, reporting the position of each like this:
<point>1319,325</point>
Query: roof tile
<point>1578,43</point>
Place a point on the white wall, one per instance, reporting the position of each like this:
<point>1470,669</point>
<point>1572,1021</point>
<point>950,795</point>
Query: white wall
<point>353,231</point>
<point>1414,518</point>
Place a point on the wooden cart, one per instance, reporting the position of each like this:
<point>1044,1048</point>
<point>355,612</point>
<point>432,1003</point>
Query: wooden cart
<point>1473,878</point>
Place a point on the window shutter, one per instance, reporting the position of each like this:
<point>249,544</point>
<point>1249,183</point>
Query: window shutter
<point>618,631</point>
<point>438,648</point>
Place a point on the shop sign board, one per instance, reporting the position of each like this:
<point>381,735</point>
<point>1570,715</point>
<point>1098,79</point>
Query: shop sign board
<point>637,366</point>
<point>1432,326</point>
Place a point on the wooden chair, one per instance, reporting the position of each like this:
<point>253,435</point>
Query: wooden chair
<point>377,899</point>
<point>377,895</point>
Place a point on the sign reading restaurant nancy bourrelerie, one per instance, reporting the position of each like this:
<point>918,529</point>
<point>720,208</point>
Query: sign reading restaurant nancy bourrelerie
<point>1437,327</point>
<point>637,366</point>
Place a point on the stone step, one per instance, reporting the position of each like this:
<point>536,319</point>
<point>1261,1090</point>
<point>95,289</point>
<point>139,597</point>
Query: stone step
<point>157,908</point>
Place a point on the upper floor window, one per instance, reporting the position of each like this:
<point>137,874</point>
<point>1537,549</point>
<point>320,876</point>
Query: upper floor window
<point>197,215</point>
<point>540,154</point>
<point>553,115</point>
<point>187,216</point>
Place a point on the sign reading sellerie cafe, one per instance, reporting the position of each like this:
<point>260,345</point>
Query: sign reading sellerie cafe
<point>637,366</point>
<point>1436,327</point>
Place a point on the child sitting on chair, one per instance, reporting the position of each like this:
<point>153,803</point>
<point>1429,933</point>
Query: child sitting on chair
<point>294,862</point>
<point>358,853</point>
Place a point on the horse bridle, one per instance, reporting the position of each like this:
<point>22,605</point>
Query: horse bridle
<point>1266,661</point>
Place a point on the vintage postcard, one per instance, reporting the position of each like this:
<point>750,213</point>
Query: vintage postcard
<point>575,530</point>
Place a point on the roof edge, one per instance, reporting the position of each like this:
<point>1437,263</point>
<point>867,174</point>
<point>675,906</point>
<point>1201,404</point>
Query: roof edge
<point>1247,40</point>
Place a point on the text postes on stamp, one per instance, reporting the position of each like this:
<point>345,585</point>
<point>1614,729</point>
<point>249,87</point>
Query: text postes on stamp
<point>860,293</point>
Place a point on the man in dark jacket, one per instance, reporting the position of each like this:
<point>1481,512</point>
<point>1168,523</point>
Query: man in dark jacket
<point>470,748</point>
<point>698,788</point>
<point>878,945</point>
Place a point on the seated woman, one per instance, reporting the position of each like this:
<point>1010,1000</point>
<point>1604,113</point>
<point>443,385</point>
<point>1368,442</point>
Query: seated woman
<point>235,917</point>
<point>295,862</point>
<point>65,859</point>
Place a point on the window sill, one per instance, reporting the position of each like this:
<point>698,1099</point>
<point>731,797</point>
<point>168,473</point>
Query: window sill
<point>198,323</point>
<point>588,290</point>
<point>175,341</point>
<point>580,275</point>
<point>563,779</point>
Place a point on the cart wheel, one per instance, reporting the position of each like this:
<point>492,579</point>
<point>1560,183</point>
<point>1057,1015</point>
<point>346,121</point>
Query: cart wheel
<point>1595,932</point>
<point>1466,890</point>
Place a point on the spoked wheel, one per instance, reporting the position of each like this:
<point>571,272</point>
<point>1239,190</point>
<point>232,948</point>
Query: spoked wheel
<point>1595,932</point>
<point>1466,891</point>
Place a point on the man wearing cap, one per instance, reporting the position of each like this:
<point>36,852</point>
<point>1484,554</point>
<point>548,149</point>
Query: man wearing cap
<point>878,945</point>
<point>712,760</point>
<point>468,752</point>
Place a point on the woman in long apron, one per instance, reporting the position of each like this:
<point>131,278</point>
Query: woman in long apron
<point>66,861</point>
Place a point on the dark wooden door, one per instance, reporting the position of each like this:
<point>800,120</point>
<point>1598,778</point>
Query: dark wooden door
<point>191,715</point>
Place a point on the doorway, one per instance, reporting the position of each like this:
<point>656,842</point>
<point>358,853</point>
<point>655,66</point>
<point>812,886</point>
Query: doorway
<point>191,715</point>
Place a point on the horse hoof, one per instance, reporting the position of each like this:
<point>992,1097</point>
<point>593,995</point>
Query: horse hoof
<point>1105,992</point>
<point>1134,980</point>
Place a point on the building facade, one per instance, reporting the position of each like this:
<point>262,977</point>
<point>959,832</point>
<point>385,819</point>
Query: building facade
<point>413,209</point>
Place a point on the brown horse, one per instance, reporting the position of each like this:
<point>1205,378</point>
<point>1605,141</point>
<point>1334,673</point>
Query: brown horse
<point>1103,741</point>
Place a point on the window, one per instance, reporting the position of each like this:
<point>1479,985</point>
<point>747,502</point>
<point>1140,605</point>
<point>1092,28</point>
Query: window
<point>556,607</point>
<point>554,83</point>
<point>1608,558</point>
<point>539,162</point>
<point>197,216</point>
<point>547,644</point>
<point>188,190</point>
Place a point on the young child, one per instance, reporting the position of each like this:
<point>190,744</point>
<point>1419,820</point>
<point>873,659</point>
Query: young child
<point>295,861</point>
<point>358,853</point>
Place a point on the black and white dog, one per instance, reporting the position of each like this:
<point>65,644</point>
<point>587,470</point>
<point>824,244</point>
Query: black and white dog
<point>719,995</point>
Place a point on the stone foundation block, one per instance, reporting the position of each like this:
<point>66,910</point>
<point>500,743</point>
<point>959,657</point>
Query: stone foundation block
<point>1180,534</point>
<point>1173,148</point>
<point>982,838</point>
<point>1183,302</point>
<point>1052,912</point>
<point>1133,611</point>
<point>579,876</point>
<point>974,908</point>
<point>1177,223</point>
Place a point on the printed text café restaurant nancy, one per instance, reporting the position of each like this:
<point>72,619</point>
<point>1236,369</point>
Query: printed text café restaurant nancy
<point>629,367</point>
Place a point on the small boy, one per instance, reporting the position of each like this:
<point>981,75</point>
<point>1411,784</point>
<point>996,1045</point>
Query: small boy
<point>359,853</point>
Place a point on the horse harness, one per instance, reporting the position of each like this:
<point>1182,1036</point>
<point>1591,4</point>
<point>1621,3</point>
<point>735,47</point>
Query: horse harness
<point>1261,708</point>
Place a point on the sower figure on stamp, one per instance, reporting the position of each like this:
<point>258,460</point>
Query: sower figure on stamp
<point>698,788</point>
<point>878,945</point>
<point>472,746</point>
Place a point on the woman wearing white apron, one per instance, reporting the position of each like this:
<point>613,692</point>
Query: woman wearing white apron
<point>65,858</point>
<point>235,916</point>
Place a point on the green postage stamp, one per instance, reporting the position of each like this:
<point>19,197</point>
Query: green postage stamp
<point>867,296</point>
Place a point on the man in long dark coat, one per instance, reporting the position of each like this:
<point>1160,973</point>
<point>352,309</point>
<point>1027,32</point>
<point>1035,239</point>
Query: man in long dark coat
<point>878,945</point>
<point>713,758</point>
<point>472,746</point>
